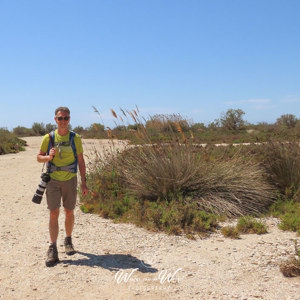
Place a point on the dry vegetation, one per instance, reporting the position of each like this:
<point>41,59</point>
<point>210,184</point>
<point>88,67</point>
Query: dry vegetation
<point>171,183</point>
<point>291,267</point>
<point>10,143</point>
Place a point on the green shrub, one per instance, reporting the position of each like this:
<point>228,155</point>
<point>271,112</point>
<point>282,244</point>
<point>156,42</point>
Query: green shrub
<point>23,131</point>
<point>110,200</point>
<point>204,222</point>
<point>38,128</point>
<point>283,206</point>
<point>9,143</point>
<point>290,221</point>
<point>231,232</point>
<point>245,225</point>
<point>289,213</point>
<point>287,120</point>
<point>248,224</point>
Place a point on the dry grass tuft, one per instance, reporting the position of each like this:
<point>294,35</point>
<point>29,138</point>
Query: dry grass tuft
<point>291,268</point>
<point>158,172</point>
<point>230,232</point>
<point>282,161</point>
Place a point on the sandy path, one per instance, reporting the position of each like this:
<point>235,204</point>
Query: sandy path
<point>213,268</point>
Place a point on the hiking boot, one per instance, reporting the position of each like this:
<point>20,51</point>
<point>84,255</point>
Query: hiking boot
<point>52,256</point>
<point>69,246</point>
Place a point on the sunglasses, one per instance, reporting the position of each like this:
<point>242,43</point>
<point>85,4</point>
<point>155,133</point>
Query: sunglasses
<point>63,118</point>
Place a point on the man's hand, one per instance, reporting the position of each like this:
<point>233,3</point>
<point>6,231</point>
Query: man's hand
<point>84,188</point>
<point>81,164</point>
<point>52,152</point>
<point>42,157</point>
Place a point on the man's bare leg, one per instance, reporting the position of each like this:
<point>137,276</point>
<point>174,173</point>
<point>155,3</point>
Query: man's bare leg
<point>53,225</point>
<point>69,221</point>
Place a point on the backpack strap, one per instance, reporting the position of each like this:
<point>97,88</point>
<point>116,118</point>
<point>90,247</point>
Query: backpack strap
<point>50,145</point>
<point>51,140</point>
<point>72,142</point>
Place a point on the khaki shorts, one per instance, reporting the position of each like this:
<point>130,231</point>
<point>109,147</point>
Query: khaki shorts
<point>65,190</point>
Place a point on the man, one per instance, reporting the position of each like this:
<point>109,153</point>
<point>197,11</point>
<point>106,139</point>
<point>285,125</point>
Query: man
<point>62,154</point>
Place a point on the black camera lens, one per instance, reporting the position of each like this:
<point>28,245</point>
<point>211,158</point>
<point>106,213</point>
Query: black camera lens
<point>37,198</point>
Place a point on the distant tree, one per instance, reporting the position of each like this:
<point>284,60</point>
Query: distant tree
<point>38,128</point>
<point>95,130</point>
<point>198,127</point>
<point>287,120</point>
<point>265,124</point>
<point>79,129</point>
<point>95,127</point>
<point>213,125</point>
<point>22,131</point>
<point>133,126</point>
<point>49,127</point>
<point>120,128</point>
<point>232,119</point>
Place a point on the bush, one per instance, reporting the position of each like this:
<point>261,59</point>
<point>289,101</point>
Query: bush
<point>38,128</point>
<point>174,185</point>
<point>288,120</point>
<point>231,232</point>
<point>282,162</point>
<point>291,268</point>
<point>248,224</point>
<point>9,143</point>
<point>290,221</point>
<point>79,129</point>
<point>23,131</point>
<point>232,119</point>
<point>245,225</point>
<point>174,217</point>
<point>49,127</point>
<point>163,172</point>
<point>96,130</point>
<point>289,213</point>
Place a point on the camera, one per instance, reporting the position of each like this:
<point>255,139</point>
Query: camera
<point>37,198</point>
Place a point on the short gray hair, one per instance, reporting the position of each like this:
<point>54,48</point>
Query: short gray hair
<point>63,109</point>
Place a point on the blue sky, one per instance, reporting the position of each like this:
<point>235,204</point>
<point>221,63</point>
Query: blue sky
<point>192,57</point>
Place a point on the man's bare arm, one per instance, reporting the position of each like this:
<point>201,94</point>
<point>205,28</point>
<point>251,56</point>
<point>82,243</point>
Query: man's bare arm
<point>42,157</point>
<point>82,170</point>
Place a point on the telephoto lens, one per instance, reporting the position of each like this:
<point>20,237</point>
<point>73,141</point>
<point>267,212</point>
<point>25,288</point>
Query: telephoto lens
<point>37,198</point>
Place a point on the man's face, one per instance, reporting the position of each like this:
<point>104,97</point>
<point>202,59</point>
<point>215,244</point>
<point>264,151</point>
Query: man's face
<point>62,119</point>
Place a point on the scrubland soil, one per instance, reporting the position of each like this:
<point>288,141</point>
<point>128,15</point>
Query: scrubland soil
<point>121,261</point>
